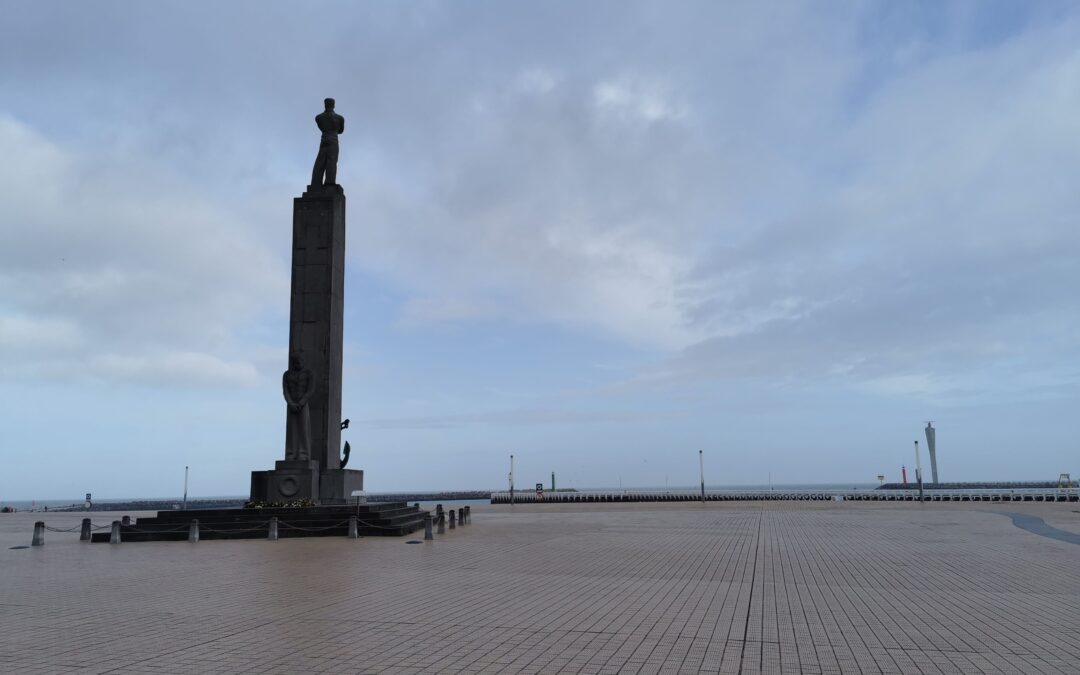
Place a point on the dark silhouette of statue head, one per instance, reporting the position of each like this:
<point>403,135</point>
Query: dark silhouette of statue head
<point>329,103</point>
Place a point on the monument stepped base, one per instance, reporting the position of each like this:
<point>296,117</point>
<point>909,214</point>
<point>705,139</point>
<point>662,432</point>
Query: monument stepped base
<point>373,519</point>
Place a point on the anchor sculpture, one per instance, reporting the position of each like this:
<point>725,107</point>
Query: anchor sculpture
<point>345,452</point>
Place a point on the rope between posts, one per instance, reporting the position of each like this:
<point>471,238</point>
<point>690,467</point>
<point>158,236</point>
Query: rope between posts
<point>58,529</point>
<point>182,528</point>
<point>282,523</point>
<point>379,527</point>
<point>258,528</point>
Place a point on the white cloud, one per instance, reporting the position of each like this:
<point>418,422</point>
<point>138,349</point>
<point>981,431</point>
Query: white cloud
<point>21,334</point>
<point>537,80</point>
<point>629,97</point>
<point>801,180</point>
<point>111,255</point>
<point>183,368</point>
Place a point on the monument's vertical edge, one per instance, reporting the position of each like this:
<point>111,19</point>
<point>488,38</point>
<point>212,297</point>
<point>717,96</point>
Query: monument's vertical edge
<point>337,333</point>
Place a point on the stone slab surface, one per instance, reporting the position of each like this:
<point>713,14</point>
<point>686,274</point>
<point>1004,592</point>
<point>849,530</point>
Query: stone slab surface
<point>767,587</point>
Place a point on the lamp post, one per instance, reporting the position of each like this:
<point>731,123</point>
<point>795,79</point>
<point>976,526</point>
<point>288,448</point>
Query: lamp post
<point>185,486</point>
<point>701,465</point>
<point>511,479</point>
<point>918,471</point>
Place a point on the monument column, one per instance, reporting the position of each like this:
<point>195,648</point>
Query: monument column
<point>311,387</point>
<point>316,317</point>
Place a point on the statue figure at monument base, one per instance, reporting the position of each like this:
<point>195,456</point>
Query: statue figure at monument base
<point>298,383</point>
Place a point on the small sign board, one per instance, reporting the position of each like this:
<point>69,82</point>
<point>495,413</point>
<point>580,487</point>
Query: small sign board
<point>540,491</point>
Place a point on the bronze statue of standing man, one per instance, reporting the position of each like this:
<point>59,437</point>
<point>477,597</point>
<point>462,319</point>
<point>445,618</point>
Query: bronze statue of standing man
<point>331,124</point>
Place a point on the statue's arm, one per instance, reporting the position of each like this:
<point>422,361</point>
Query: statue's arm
<point>340,124</point>
<point>285,388</point>
<point>308,391</point>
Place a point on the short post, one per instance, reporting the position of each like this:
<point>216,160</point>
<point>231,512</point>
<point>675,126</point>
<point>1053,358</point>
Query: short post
<point>39,534</point>
<point>114,536</point>
<point>193,531</point>
<point>438,511</point>
<point>353,531</point>
<point>126,521</point>
<point>442,523</point>
<point>84,534</point>
<point>468,515</point>
<point>452,525</point>
<point>427,527</point>
<point>461,516</point>
<point>272,532</point>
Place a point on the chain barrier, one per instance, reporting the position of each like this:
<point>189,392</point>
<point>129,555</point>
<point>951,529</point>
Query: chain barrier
<point>58,529</point>
<point>282,523</point>
<point>379,527</point>
<point>129,528</point>
<point>258,528</point>
<point>261,527</point>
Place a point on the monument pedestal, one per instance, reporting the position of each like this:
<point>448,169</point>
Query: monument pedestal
<point>337,485</point>
<point>289,480</point>
<point>292,480</point>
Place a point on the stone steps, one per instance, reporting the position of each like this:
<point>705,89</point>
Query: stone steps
<point>385,519</point>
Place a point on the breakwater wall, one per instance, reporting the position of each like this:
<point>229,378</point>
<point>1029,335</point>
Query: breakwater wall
<point>990,485</point>
<point>878,495</point>
<point>237,502</point>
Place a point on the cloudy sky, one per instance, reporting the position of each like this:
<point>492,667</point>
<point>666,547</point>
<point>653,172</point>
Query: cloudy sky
<point>600,236</point>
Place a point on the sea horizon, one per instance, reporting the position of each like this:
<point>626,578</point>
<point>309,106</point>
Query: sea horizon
<point>24,504</point>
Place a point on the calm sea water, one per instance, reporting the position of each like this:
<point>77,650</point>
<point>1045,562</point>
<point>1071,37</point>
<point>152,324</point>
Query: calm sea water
<point>25,505</point>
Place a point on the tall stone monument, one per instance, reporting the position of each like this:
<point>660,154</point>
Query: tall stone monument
<point>312,385</point>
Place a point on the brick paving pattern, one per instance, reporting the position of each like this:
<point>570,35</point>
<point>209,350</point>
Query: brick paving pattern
<point>762,587</point>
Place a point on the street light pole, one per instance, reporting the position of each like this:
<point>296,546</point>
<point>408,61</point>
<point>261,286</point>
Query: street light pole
<point>511,479</point>
<point>918,470</point>
<point>701,464</point>
<point>185,486</point>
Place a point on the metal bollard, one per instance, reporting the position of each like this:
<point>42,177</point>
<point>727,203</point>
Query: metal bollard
<point>438,510</point>
<point>452,525</point>
<point>427,527</point>
<point>125,521</point>
<point>114,536</point>
<point>84,534</point>
<point>468,515</point>
<point>461,517</point>
<point>272,533</point>
<point>39,534</point>
<point>353,533</point>
<point>193,532</point>
<point>442,523</point>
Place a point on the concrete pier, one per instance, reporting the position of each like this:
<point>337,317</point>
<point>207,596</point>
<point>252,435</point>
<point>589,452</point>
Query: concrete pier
<point>782,494</point>
<point>720,587</point>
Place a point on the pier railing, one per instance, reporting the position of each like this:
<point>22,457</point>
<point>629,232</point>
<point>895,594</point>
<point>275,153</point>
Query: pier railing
<point>908,495</point>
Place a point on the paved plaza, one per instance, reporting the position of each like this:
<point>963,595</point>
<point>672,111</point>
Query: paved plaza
<point>766,587</point>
